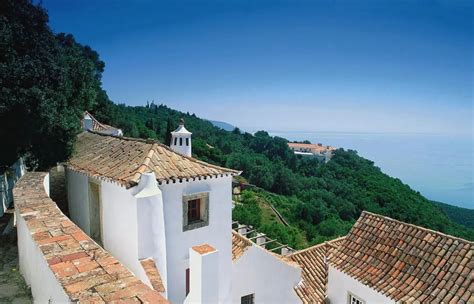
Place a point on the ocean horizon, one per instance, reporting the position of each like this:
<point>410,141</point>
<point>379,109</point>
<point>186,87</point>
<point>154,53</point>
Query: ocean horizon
<point>438,166</point>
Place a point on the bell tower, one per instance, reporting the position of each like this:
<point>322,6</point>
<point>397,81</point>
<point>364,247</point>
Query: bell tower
<point>181,140</point>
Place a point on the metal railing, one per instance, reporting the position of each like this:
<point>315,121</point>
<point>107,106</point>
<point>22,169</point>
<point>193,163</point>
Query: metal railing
<point>261,239</point>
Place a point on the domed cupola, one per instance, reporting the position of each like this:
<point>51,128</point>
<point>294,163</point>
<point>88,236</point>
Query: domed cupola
<point>181,140</point>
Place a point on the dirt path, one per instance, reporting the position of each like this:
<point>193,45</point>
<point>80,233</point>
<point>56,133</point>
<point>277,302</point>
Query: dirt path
<point>13,288</point>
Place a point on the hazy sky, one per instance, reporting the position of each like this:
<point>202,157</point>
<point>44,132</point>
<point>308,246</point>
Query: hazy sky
<point>362,66</point>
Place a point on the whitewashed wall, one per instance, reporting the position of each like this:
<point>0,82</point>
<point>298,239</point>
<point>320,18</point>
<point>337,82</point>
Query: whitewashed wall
<point>266,276</point>
<point>340,284</point>
<point>78,199</point>
<point>119,218</point>
<point>120,227</point>
<point>217,233</point>
<point>44,286</point>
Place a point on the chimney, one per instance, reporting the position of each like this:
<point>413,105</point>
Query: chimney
<point>204,275</point>
<point>181,140</point>
<point>88,124</point>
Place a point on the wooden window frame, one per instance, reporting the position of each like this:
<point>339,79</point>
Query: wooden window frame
<point>203,220</point>
<point>194,210</point>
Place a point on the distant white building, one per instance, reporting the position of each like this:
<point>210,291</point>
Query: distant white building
<point>319,151</point>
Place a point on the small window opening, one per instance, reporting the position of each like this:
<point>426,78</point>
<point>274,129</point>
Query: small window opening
<point>248,299</point>
<point>175,141</point>
<point>187,281</point>
<point>194,210</point>
<point>355,300</point>
<point>187,141</point>
<point>180,141</point>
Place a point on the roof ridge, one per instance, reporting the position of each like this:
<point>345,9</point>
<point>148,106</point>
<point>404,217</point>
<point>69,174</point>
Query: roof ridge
<point>366,213</point>
<point>145,164</point>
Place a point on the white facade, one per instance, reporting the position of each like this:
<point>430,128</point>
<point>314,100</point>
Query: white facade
<point>181,140</point>
<point>136,228</point>
<point>265,275</point>
<point>340,286</point>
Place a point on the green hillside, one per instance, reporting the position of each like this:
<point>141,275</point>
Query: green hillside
<point>49,79</point>
<point>321,201</point>
<point>459,215</point>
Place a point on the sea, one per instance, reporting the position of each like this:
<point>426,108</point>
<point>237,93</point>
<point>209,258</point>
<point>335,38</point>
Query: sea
<point>440,167</point>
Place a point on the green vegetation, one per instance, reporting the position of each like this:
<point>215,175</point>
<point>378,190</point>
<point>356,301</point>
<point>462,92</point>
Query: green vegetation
<point>462,216</point>
<point>321,201</point>
<point>48,80</point>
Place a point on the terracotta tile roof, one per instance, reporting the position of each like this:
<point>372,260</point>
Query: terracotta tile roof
<point>123,160</point>
<point>407,263</point>
<point>153,274</point>
<point>86,272</point>
<point>314,270</point>
<point>98,126</point>
<point>203,249</point>
<point>239,245</point>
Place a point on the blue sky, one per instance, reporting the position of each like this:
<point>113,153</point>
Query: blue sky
<point>360,66</point>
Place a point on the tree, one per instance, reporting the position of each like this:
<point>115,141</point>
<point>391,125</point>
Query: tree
<point>46,83</point>
<point>169,129</point>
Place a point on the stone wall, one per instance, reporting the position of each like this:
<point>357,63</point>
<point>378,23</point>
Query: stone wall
<point>59,261</point>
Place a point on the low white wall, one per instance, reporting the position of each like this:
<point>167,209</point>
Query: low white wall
<point>266,276</point>
<point>78,199</point>
<point>45,288</point>
<point>340,284</point>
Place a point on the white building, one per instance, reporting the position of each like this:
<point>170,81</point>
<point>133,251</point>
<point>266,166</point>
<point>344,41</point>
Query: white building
<point>167,217</point>
<point>318,151</point>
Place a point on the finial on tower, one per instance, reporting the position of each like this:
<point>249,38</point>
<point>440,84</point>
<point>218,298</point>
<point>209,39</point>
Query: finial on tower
<point>181,122</point>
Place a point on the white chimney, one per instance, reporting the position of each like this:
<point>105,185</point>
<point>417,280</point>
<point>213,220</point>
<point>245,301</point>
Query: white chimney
<point>181,140</point>
<point>88,124</point>
<point>204,275</point>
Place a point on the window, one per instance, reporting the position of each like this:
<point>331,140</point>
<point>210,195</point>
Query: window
<point>248,299</point>
<point>195,211</point>
<point>180,141</point>
<point>187,141</point>
<point>355,300</point>
<point>175,141</point>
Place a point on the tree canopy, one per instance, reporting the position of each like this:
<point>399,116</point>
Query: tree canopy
<point>46,83</point>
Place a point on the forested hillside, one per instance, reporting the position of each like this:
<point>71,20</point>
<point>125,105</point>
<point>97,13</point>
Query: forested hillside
<point>459,215</point>
<point>47,80</point>
<point>320,200</point>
